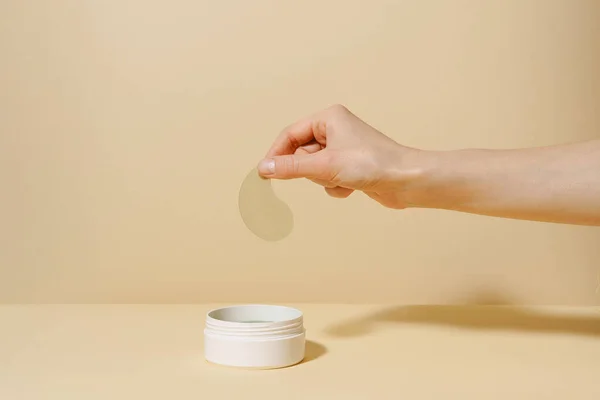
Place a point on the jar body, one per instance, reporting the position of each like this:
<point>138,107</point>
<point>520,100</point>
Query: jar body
<point>254,336</point>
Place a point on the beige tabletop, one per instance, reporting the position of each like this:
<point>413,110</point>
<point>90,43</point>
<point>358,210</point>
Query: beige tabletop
<point>353,352</point>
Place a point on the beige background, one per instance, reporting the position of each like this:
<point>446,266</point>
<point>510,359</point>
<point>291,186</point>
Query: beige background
<point>126,128</point>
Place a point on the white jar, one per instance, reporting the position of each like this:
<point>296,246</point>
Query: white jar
<point>254,336</point>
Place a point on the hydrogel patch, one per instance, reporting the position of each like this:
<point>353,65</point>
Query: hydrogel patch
<point>262,211</point>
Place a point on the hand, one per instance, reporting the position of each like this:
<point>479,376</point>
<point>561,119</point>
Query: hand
<point>337,150</point>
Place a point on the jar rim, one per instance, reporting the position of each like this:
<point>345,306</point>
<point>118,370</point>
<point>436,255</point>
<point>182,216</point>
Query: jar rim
<point>253,316</point>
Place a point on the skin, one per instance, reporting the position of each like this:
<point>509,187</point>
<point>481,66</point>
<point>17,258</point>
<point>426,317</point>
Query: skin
<point>337,150</point>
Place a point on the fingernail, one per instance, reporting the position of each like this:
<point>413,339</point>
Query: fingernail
<point>266,167</point>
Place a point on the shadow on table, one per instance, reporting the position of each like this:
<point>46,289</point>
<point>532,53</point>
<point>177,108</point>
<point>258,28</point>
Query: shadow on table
<point>313,351</point>
<point>476,315</point>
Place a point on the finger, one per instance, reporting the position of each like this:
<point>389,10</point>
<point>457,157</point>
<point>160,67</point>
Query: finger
<point>309,148</point>
<point>291,166</point>
<point>339,192</point>
<point>324,183</point>
<point>384,201</point>
<point>373,195</point>
<point>298,134</point>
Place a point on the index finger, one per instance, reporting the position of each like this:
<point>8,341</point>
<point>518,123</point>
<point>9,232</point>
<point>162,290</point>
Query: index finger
<point>311,128</point>
<point>291,138</point>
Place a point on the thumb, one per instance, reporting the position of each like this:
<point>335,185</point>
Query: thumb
<point>293,166</point>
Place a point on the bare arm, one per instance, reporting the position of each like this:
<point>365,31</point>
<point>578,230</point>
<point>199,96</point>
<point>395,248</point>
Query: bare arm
<point>336,149</point>
<point>553,184</point>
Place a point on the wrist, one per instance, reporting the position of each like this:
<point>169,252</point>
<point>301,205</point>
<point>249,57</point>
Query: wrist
<point>434,179</point>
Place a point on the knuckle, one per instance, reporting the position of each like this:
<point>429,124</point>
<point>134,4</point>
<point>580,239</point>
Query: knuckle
<point>339,109</point>
<point>319,128</point>
<point>290,166</point>
<point>338,113</point>
<point>291,139</point>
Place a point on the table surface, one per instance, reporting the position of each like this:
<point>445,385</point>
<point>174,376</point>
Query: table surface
<point>353,352</point>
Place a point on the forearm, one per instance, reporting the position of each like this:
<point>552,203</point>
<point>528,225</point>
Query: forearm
<point>554,184</point>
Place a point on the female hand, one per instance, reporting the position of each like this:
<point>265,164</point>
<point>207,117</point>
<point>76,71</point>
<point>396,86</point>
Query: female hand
<point>339,151</point>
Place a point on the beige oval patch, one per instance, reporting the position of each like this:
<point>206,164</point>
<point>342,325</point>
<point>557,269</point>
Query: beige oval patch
<point>262,211</point>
